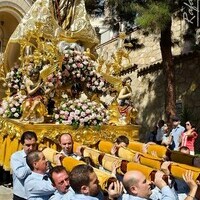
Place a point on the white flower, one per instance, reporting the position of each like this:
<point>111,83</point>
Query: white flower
<point>62,112</point>
<point>13,109</point>
<point>70,61</point>
<point>56,116</point>
<point>74,65</point>
<point>77,112</point>
<point>64,105</point>
<point>16,115</point>
<point>16,86</point>
<point>17,104</point>
<point>88,111</point>
<point>12,73</point>
<point>1,111</point>
<point>101,84</point>
<point>83,114</point>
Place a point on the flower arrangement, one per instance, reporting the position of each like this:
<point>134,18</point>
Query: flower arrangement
<point>79,67</point>
<point>53,82</point>
<point>14,79</point>
<point>11,107</point>
<point>80,112</point>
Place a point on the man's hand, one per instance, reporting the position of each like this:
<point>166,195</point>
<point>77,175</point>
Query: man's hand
<point>158,181</point>
<point>188,178</point>
<point>114,150</point>
<point>115,190</point>
<point>165,167</point>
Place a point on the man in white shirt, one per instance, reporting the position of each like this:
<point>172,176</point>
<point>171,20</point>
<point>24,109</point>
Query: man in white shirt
<point>176,132</point>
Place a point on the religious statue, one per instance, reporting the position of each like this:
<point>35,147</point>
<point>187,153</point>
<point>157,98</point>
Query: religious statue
<point>33,107</point>
<point>65,20</point>
<point>127,111</point>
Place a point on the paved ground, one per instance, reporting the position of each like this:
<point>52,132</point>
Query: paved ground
<point>5,193</point>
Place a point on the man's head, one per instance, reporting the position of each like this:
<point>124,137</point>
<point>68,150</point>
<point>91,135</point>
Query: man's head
<point>122,141</point>
<point>161,123</point>
<point>83,180</point>
<point>176,121</point>
<point>37,162</point>
<point>28,140</point>
<point>60,178</point>
<point>136,184</point>
<point>66,143</point>
<point>184,150</point>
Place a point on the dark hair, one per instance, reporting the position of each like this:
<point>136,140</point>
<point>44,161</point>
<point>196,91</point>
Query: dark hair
<point>28,135</point>
<point>32,157</point>
<point>192,124</point>
<point>79,176</point>
<point>125,80</point>
<point>161,122</point>
<point>122,138</point>
<point>57,170</point>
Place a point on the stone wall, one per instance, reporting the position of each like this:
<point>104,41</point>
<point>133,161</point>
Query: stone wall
<point>149,94</point>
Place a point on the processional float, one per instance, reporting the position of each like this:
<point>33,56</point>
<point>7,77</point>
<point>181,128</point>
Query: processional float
<point>67,93</point>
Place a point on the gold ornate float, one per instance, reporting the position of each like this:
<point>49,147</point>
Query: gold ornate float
<point>60,56</point>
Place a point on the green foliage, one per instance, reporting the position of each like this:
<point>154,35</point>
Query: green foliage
<point>153,16</point>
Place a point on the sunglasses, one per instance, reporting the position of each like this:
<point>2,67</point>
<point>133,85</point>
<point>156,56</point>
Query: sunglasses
<point>187,124</point>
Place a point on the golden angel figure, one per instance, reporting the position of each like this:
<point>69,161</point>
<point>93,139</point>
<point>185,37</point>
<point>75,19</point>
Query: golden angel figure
<point>126,109</point>
<point>33,107</point>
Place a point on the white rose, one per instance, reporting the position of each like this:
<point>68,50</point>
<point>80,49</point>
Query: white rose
<point>13,110</point>
<point>56,116</point>
<point>16,115</point>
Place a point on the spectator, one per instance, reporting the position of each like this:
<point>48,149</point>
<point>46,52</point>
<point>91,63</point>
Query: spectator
<point>152,134</point>
<point>121,141</point>
<point>176,133</point>
<point>189,136</point>
<point>160,132</point>
<point>18,164</point>
<point>138,187</point>
<point>167,137</point>
<point>37,184</point>
<point>60,180</point>
<point>85,183</point>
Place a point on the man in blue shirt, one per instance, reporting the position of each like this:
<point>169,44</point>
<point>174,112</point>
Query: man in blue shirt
<point>18,164</point>
<point>176,132</point>
<point>85,184</point>
<point>38,185</point>
<point>139,188</point>
<point>60,180</point>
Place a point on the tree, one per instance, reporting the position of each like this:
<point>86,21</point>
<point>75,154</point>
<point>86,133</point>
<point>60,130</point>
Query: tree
<point>156,16</point>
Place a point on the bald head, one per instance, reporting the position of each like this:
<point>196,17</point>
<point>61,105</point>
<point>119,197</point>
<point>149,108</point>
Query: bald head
<point>130,178</point>
<point>66,143</point>
<point>136,184</point>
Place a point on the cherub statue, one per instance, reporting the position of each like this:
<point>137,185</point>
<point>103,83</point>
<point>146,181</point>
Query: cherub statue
<point>33,108</point>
